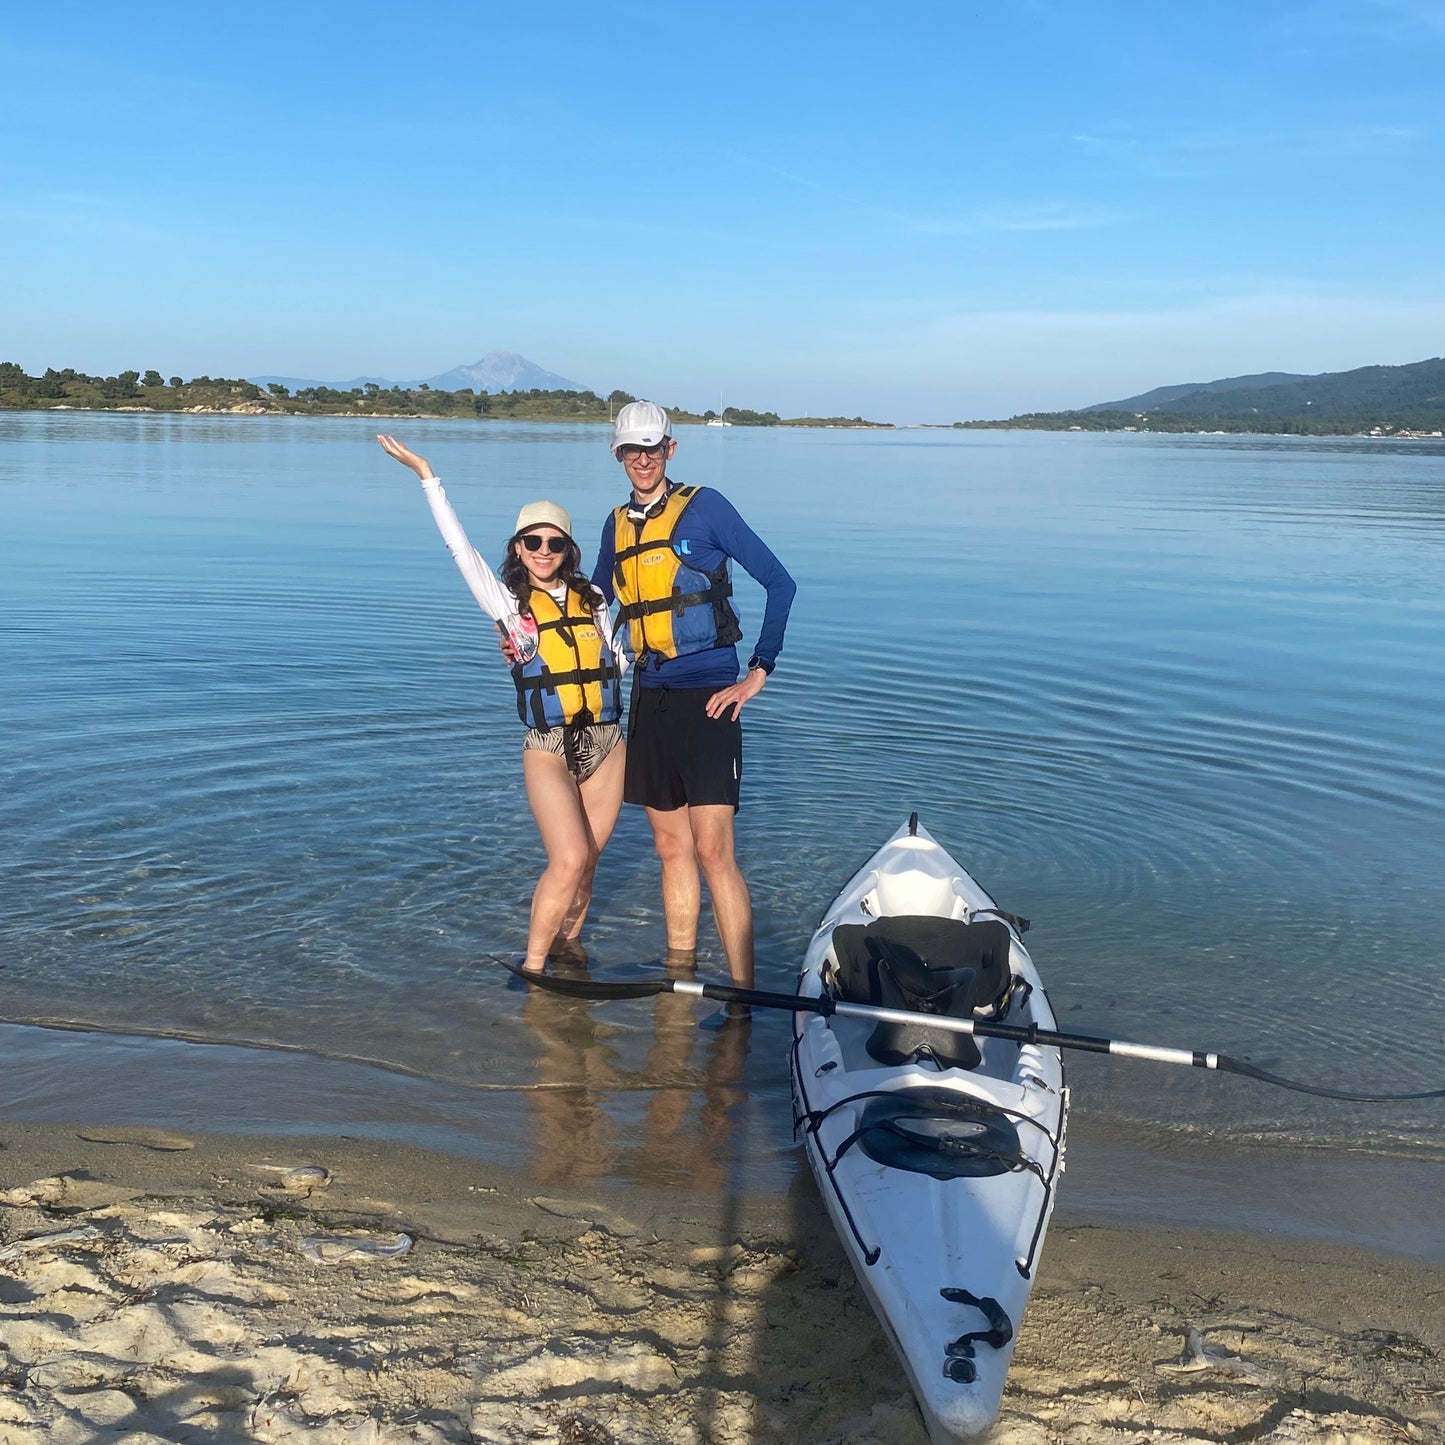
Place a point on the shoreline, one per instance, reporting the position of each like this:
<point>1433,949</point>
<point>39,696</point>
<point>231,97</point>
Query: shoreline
<point>166,1285</point>
<point>1116,1175</point>
<point>251,409</point>
<point>786,424</point>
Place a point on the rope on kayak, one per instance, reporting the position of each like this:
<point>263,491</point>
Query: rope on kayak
<point>1012,1162</point>
<point>871,1254</point>
<point>811,1121</point>
<point>816,1116</point>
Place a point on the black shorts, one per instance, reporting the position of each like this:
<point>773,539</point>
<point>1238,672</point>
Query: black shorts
<point>677,756</point>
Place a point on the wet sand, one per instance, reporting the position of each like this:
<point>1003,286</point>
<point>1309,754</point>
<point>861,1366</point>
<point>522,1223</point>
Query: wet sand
<point>158,1285</point>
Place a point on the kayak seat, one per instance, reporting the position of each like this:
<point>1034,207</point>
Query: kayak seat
<point>926,965</point>
<point>982,945</point>
<point>907,982</point>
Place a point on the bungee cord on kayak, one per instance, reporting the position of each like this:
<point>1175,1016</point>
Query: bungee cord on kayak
<point>602,990</point>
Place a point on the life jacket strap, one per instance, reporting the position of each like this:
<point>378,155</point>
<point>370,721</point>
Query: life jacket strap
<point>578,677</point>
<point>679,602</point>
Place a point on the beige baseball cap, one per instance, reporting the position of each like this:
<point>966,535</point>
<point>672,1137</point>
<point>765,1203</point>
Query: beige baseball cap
<point>543,514</point>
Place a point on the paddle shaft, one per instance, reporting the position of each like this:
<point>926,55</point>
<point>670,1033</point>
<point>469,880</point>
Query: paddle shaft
<point>1015,1033</point>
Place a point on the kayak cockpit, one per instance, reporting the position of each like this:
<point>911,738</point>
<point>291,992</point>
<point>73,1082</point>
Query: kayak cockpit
<point>924,964</point>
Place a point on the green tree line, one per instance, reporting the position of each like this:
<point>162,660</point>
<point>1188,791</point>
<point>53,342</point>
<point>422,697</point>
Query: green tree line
<point>150,391</point>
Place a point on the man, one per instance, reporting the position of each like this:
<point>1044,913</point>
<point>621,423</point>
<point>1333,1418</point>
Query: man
<point>665,557</point>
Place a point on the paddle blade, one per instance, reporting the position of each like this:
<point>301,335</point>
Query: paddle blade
<point>1237,1066</point>
<point>587,987</point>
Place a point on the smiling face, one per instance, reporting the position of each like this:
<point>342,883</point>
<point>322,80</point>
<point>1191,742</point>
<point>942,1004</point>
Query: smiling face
<point>535,547</point>
<point>646,467</point>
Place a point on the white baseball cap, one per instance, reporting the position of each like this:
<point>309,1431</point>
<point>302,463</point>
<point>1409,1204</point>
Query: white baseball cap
<point>640,424</point>
<point>543,514</point>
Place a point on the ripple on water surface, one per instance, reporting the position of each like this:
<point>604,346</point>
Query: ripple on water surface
<point>1176,701</point>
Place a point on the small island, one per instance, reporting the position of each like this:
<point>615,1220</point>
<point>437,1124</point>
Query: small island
<point>71,390</point>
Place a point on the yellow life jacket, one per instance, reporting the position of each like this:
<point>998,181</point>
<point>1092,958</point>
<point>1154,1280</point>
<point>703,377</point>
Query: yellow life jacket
<point>572,676</point>
<point>671,608</point>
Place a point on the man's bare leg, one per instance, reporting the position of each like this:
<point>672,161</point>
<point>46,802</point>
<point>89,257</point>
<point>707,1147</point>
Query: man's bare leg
<point>681,883</point>
<point>713,844</point>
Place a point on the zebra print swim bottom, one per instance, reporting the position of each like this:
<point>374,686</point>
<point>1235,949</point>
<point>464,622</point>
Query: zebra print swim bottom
<point>584,748</point>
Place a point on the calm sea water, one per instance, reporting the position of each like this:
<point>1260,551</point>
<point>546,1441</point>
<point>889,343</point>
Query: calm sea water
<point>1177,699</point>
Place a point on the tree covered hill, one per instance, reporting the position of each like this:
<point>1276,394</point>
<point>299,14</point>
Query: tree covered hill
<point>1161,396</point>
<point>1376,400</point>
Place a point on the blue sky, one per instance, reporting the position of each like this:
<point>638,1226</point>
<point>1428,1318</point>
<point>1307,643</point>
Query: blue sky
<point>913,211</point>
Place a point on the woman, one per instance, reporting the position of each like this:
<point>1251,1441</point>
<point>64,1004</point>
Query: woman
<point>568,677</point>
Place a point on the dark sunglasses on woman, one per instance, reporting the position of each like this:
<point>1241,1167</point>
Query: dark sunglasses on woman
<point>555,545</point>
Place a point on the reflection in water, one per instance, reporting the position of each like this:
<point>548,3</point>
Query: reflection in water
<point>1188,721</point>
<point>582,1127</point>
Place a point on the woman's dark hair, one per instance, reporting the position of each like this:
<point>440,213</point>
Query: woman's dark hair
<point>518,581</point>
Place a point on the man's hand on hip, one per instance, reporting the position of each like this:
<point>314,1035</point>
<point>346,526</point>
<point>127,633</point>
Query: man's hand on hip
<point>735,696</point>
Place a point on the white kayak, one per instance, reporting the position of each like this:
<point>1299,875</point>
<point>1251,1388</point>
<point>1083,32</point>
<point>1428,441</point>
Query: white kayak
<point>936,1152</point>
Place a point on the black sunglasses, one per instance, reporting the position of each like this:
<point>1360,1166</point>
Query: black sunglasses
<point>628,452</point>
<point>555,545</point>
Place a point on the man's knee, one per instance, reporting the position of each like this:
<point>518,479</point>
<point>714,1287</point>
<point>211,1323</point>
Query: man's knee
<point>715,850</point>
<point>674,845</point>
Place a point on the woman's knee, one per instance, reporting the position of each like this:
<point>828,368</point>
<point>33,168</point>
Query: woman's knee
<point>572,863</point>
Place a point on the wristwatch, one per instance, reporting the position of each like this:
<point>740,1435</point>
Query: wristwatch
<point>756,661</point>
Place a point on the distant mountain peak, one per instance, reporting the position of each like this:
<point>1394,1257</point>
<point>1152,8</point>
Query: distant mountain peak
<point>502,371</point>
<point>497,371</point>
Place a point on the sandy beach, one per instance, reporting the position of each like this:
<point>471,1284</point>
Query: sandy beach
<point>164,1286</point>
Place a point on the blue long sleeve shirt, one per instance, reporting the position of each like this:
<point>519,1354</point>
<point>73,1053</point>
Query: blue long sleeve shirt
<point>710,531</point>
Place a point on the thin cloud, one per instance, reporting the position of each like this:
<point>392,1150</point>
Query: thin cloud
<point>1185,152</point>
<point>1047,216</point>
<point>1027,218</point>
<point>1413,14</point>
<point>1326,142</point>
<point>1396,21</point>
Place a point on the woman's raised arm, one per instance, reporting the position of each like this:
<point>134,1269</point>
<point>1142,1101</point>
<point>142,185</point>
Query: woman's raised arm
<point>494,599</point>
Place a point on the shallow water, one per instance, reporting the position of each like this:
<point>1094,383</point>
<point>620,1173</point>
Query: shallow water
<point>1174,698</point>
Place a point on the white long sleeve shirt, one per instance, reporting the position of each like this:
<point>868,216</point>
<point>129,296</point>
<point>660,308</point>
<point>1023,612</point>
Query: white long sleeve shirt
<point>492,597</point>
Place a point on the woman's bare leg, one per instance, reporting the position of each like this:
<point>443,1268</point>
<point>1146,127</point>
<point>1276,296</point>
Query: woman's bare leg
<point>567,837</point>
<point>601,803</point>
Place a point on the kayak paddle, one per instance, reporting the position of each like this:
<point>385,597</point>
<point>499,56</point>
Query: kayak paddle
<point>602,990</point>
